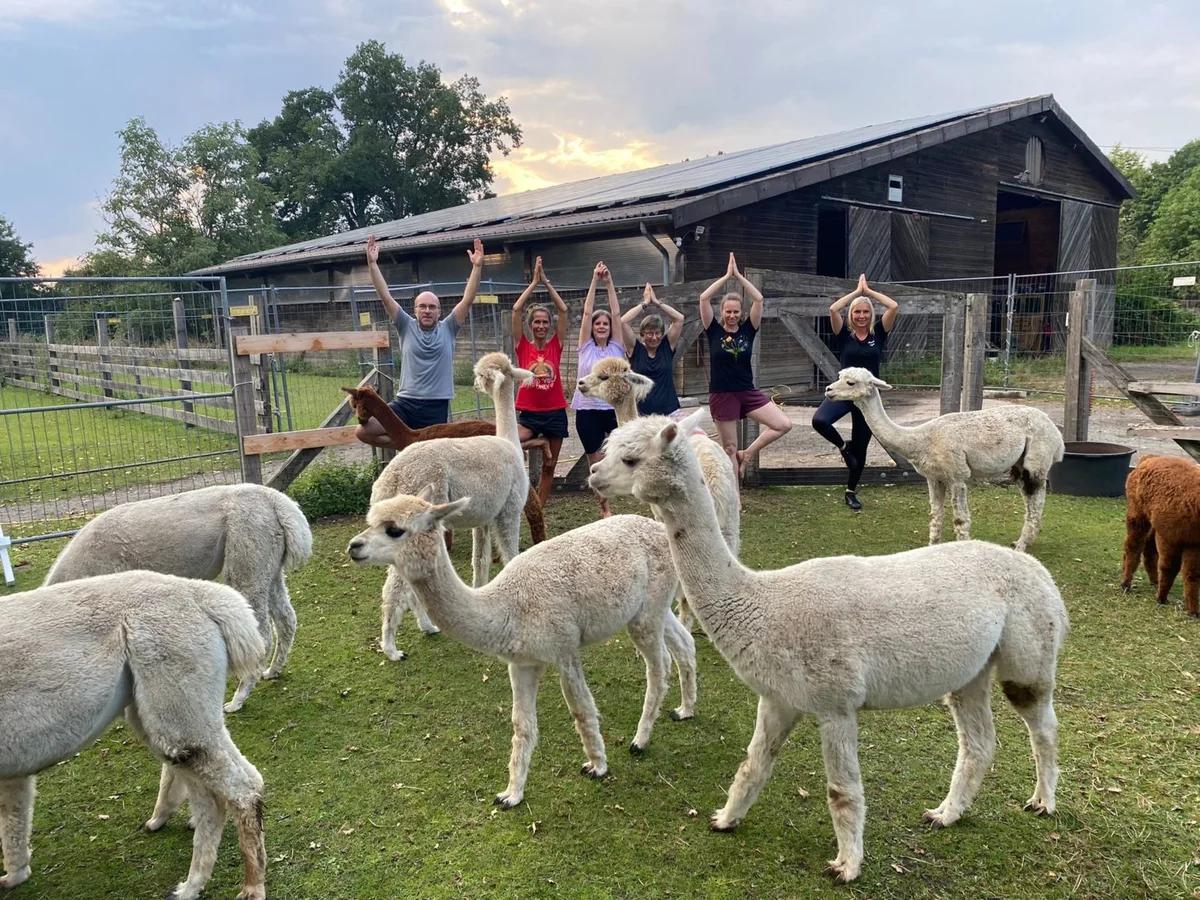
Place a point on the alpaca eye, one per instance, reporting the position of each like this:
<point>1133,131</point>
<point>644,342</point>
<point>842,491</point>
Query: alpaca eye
<point>393,531</point>
<point>630,461</point>
<point>604,378</point>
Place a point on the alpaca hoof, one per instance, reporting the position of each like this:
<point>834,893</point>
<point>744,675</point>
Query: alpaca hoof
<point>1039,807</point>
<point>935,818</point>
<point>636,749</point>
<point>1126,587</point>
<point>1193,614</point>
<point>183,892</point>
<point>233,706</point>
<point>717,822</point>
<point>1162,601</point>
<point>254,893</point>
<point>842,870</point>
<point>591,771</point>
<point>15,877</point>
<point>680,715</point>
<point>154,823</point>
<point>393,654</point>
<point>504,801</point>
<point>270,674</point>
<point>431,631</point>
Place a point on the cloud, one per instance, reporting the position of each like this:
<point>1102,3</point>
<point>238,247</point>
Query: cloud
<point>556,158</point>
<point>53,268</point>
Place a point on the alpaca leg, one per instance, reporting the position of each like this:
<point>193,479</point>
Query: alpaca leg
<point>283,617</point>
<point>1169,558</point>
<point>774,724</point>
<point>1137,530</point>
<point>844,793</point>
<point>962,512</point>
<point>647,636</point>
<point>1150,558</point>
<point>937,510</point>
<point>209,815</point>
<point>1035,503</point>
<point>481,556</point>
<point>524,680</point>
<point>685,615</point>
<point>971,707</point>
<point>1191,580</point>
<point>397,595</point>
<point>1035,704</point>
<point>16,824</point>
<point>682,649</point>
<point>587,719</point>
<point>246,685</point>
<point>171,793</point>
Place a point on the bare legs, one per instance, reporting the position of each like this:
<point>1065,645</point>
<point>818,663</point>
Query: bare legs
<point>775,424</point>
<point>549,462</point>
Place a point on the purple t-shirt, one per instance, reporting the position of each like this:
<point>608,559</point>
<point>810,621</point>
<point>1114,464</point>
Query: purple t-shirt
<point>589,355</point>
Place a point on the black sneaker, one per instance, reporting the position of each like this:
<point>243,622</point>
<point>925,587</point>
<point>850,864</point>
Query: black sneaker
<point>849,458</point>
<point>853,502</point>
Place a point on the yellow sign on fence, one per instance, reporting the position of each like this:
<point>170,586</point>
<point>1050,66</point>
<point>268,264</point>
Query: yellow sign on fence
<point>251,310</point>
<point>364,319</point>
<point>486,298</point>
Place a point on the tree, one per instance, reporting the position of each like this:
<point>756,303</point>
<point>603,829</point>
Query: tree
<point>1154,184</point>
<point>1174,234</point>
<point>15,261</point>
<point>390,140</point>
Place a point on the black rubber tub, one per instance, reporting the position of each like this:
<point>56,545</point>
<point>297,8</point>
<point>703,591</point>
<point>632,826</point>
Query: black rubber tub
<point>1091,469</point>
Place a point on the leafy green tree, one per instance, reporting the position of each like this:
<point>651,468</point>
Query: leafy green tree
<point>1154,184</point>
<point>1133,221</point>
<point>1174,234</point>
<point>390,140</point>
<point>15,259</point>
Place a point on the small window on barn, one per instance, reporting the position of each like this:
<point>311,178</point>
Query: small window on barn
<point>1034,163</point>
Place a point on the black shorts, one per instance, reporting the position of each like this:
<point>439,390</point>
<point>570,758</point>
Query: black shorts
<point>552,424</point>
<point>593,426</point>
<point>421,413</point>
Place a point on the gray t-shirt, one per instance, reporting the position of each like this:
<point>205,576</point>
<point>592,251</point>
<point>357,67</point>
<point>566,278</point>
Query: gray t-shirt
<point>426,358</point>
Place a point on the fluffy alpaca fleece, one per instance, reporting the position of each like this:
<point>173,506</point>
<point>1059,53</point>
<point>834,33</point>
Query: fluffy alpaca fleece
<point>542,609</point>
<point>367,405</point>
<point>1162,522</point>
<point>833,636</point>
<point>1001,445</point>
<point>489,470</point>
<point>614,382</point>
<point>246,535</point>
<point>158,647</point>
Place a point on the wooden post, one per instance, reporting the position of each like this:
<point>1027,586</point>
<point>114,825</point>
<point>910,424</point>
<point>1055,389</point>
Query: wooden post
<point>953,325</point>
<point>261,363</point>
<point>385,380</point>
<point>1078,401</point>
<point>974,345</point>
<point>105,359</point>
<point>51,353</point>
<point>12,330</point>
<point>243,404</point>
<point>179,314</point>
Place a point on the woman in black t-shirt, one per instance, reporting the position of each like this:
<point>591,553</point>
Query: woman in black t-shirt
<point>860,342</point>
<point>652,352</point>
<point>732,395</point>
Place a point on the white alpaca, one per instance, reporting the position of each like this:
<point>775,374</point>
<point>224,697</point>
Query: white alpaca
<point>158,647</point>
<point>832,636</point>
<point>614,382</point>
<point>542,609</point>
<point>1000,445</point>
<point>488,469</point>
<point>246,535</point>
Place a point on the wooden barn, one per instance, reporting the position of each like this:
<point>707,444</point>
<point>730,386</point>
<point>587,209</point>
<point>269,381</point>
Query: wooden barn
<point>1012,188</point>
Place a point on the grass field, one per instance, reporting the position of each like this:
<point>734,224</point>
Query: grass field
<point>380,775</point>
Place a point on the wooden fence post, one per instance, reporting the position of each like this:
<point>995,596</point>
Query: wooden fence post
<point>974,347</point>
<point>12,330</point>
<point>1078,402</point>
<point>179,314</point>
<point>261,365</point>
<point>243,404</point>
<point>51,353</point>
<point>105,359</point>
<point>953,325</point>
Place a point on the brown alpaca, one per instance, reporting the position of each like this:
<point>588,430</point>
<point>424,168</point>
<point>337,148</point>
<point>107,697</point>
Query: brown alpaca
<point>367,404</point>
<point>1162,525</point>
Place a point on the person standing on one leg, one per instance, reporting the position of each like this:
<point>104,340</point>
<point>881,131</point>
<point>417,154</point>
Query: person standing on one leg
<point>426,350</point>
<point>732,395</point>
<point>861,341</point>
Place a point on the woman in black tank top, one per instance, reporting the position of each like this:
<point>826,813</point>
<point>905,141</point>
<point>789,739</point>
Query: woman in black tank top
<point>861,341</point>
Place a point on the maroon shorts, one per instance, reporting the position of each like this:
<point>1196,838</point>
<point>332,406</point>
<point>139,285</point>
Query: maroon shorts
<point>731,406</point>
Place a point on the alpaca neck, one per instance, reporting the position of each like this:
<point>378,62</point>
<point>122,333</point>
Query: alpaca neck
<point>400,433</point>
<point>454,607</point>
<point>716,584</point>
<point>506,413</point>
<point>626,409</point>
<point>907,441</point>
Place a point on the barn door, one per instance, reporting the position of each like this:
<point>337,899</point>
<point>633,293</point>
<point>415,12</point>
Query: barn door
<point>910,247</point>
<point>870,244</point>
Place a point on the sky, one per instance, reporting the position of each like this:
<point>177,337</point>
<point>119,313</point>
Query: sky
<point>598,86</point>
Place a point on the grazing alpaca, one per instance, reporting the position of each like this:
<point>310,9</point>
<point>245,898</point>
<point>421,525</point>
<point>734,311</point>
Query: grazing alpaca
<point>1162,521</point>
<point>614,382</point>
<point>998,445</point>
<point>490,469</point>
<point>833,636</point>
<point>367,404</point>
<point>542,609</point>
<point>158,647</point>
<point>246,535</point>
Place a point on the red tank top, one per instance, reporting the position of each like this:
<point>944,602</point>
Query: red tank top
<point>545,392</point>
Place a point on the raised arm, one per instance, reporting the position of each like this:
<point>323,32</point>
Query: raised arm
<point>706,310</point>
<point>891,308</point>
<point>836,319</point>
<point>633,313</point>
<point>463,307</point>
<point>675,329</point>
<point>749,289</point>
<point>560,323</point>
<point>390,306</point>
<point>614,307</point>
<point>518,310</point>
<point>585,325</point>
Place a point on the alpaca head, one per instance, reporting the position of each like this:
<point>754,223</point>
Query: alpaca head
<point>357,402</point>
<point>613,381</point>
<point>404,531</point>
<point>649,458</point>
<point>494,371</point>
<point>855,384</point>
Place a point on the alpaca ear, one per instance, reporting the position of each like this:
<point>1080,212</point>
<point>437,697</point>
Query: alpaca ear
<point>523,376</point>
<point>880,383</point>
<point>692,421</point>
<point>640,383</point>
<point>428,492</point>
<point>447,512</point>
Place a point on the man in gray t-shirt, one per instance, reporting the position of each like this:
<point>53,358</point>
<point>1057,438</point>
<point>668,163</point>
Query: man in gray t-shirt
<point>426,349</point>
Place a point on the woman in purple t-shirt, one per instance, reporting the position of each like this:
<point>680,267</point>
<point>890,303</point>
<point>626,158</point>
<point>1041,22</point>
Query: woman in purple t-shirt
<point>594,419</point>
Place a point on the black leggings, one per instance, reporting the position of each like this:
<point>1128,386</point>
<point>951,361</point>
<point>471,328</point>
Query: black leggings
<point>860,434</point>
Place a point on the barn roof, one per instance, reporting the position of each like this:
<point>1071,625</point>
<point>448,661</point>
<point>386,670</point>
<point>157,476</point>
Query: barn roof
<point>681,193</point>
